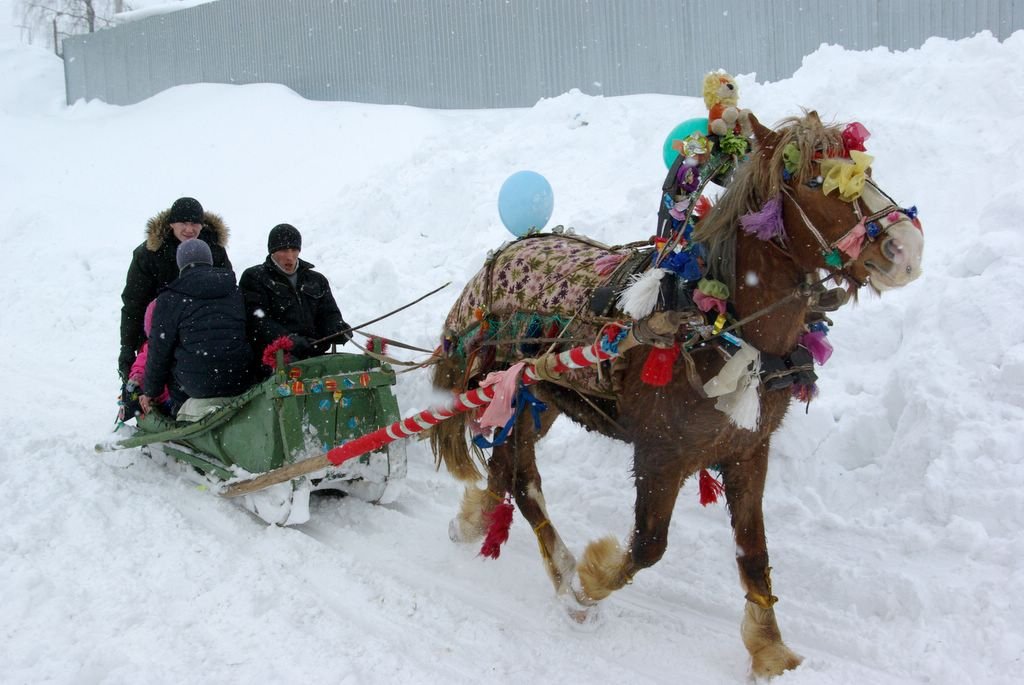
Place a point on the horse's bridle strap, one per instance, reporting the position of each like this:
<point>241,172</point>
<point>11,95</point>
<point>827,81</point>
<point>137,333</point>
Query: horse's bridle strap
<point>807,222</point>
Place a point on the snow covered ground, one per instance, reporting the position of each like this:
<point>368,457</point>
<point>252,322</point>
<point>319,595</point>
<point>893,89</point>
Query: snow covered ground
<point>895,506</point>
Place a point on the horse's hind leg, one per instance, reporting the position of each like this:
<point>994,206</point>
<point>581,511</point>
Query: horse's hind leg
<point>558,560</point>
<point>471,523</point>
<point>512,468</point>
<point>744,488</point>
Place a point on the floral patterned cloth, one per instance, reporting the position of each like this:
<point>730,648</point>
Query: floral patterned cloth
<point>535,287</point>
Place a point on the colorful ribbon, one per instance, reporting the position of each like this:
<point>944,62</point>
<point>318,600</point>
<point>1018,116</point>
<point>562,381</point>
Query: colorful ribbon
<point>848,176</point>
<point>853,241</point>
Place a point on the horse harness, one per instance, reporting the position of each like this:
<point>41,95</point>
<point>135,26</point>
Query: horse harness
<point>676,294</point>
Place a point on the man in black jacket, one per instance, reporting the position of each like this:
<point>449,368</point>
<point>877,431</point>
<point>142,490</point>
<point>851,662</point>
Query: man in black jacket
<point>285,297</point>
<point>153,266</point>
<point>198,343</point>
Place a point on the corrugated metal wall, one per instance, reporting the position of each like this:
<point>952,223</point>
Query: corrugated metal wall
<point>497,53</point>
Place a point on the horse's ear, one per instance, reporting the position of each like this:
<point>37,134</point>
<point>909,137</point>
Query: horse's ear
<point>812,116</point>
<point>761,133</point>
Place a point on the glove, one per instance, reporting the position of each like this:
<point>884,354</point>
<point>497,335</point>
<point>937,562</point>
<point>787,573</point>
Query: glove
<point>128,404</point>
<point>124,362</point>
<point>301,348</point>
<point>345,334</point>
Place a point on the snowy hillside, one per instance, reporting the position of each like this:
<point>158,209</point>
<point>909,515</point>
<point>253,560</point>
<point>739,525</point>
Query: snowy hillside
<point>894,507</point>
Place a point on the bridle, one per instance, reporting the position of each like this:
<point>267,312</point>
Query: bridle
<point>870,227</point>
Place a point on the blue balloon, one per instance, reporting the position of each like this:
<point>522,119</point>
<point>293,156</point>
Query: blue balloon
<point>525,201</point>
<point>679,133</point>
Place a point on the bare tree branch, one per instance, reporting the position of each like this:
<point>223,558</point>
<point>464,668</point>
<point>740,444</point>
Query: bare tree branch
<point>54,20</point>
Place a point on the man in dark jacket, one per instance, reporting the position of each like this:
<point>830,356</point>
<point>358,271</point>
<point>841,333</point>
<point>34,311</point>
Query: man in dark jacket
<point>198,344</point>
<point>153,266</point>
<point>285,297</point>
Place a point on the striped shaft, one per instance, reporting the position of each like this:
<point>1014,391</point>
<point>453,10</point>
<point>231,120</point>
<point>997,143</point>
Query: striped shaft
<point>576,358</point>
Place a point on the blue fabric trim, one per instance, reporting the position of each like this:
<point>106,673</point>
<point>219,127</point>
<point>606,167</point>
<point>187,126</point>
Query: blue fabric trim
<point>523,398</point>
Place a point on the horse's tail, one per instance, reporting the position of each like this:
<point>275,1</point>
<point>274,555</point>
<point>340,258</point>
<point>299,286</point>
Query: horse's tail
<point>448,438</point>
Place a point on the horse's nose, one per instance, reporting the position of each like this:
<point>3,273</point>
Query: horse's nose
<point>893,250</point>
<point>901,250</point>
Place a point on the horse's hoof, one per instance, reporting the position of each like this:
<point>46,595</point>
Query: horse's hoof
<point>773,660</point>
<point>582,612</point>
<point>586,617</point>
<point>769,655</point>
<point>458,533</point>
<point>453,531</point>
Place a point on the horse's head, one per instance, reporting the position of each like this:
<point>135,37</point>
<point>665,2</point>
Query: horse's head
<point>836,216</point>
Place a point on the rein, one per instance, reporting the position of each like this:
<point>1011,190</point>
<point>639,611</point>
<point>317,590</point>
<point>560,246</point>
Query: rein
<point>388,359</point>
<point>352,329</point>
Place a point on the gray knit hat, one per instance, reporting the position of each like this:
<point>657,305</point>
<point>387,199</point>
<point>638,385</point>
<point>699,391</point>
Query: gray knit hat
<point>194,251</point>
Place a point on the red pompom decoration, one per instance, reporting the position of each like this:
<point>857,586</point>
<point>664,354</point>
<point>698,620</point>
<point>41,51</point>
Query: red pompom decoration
<point>710,488</point>
<point>499,521</point>
<point>270,351</point>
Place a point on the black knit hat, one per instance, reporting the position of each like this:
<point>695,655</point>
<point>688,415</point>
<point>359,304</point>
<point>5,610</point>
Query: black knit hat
<point>282,237</point>
<point>194,251</point>
<point>187,210</point>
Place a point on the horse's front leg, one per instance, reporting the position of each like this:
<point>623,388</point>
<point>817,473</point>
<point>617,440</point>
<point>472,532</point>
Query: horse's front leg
<point>744,489</point>
<point>606,567</point>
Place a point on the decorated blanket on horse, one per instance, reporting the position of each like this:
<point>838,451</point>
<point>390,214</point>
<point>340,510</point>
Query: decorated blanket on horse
<point>535,293</point>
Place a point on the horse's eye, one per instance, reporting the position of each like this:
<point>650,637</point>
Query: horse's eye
<point>730,86</point>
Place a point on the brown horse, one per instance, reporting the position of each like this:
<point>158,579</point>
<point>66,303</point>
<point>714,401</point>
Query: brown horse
<point>539,289</point>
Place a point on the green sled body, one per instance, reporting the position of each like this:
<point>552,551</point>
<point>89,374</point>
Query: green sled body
<point>301,411</point>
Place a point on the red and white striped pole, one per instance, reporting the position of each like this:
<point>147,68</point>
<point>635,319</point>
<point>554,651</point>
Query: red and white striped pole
<point>617,342</point>
<point>615,339</point>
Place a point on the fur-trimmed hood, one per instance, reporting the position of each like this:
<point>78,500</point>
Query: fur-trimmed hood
<point>158,228</point>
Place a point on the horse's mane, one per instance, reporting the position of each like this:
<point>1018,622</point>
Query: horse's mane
<point>757,180</point>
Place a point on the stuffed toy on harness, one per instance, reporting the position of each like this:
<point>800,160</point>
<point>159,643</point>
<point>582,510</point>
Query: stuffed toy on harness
<point>722,96</point>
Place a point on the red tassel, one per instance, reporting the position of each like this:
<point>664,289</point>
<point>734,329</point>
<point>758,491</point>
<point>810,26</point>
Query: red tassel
<point>710,488</point>
<point>658,367</point>
<point>498,523</point>
<point>270,351</point>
